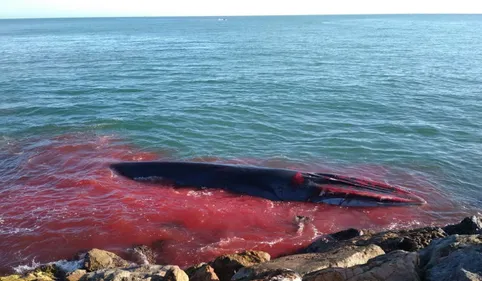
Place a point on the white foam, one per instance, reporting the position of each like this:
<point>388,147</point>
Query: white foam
<point>64,265</point>
<point>24,268</point>
<point>69,266</point>
<point>15,230</point>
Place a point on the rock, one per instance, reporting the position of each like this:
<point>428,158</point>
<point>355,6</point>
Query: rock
<point>48,272</point>
<point>32,276</point>
<point>307,263</point>
<point>96,259</point>
<point>226,266</point>
<point>457,257</point>
<point>175,274</point>
<point>346,234</point>
<point>407,240</point>
<point>138,273</point>
<point>75,275</point>
<point>203,273</point>
<point>192,269</point>
<point>142,255</point>
<point>469,225</point>
<point>395,266</point>
<point>279,275</point>
<point>14,277</point>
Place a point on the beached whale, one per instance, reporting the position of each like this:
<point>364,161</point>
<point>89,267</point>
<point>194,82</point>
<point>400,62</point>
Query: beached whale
<point>270,183</point>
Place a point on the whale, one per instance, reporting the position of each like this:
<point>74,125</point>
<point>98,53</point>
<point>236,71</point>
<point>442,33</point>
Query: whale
<point>269,183</point>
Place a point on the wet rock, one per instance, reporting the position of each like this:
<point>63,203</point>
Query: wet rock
<point>395,266</point>
<point>48,269</point>
<point>407,240</point>
<point>226,266</point>
<point>75,275</point>
<point>192,269</point>
<point>307,263</point>
<point>96,259</point>
<point>142,255</point>
<point>457,257</point>
<point>469,225</point>
<point>138,273</point>
<point>203,273</point>
<point>346,234</point>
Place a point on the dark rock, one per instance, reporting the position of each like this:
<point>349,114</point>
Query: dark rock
<point>96,259</point>
<point>346,234</point>
<point>469,225</point>
<point>227,265</point>
<point>278,275</point>
<point>457,257</point>
<point>192,269</point>
<point>306,263</point>
<point>50,270</point>
<point>395,266</point>
<point>408,240</point>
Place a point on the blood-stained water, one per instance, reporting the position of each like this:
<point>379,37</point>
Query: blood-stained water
<point>58,197</point>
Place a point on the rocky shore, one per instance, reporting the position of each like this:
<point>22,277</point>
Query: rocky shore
<point>452,252</point>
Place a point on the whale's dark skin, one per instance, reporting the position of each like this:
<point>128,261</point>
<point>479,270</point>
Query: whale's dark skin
<point>269,183</point>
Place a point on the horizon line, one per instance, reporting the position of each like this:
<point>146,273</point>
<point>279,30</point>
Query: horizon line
<point>232,16</point>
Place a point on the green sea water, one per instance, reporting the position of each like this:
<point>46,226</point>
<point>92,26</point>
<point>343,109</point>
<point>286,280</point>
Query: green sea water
<point>401,92</point>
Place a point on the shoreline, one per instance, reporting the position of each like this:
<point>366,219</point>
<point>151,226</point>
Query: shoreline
<point>450,252</point>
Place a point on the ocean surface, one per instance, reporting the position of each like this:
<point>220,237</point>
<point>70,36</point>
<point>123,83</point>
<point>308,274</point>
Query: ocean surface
<point>391,98</point>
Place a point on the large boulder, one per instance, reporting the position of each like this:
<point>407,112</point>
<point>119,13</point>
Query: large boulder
<point>469,225</point>
<point>307,263</point>
<point>394,266</point>
<point>138,273</point>
<point>96,259</point>
<point>407,240</point>
<point>457,257</point>
<point>226,266</point>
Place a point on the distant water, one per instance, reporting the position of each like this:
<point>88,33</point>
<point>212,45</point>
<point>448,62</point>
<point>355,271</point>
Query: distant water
<point>393,98</point>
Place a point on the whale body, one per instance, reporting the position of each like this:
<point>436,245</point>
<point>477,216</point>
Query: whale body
<point>270,183</point>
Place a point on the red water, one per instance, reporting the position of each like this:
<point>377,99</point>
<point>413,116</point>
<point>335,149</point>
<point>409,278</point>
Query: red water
<point>58,197</point>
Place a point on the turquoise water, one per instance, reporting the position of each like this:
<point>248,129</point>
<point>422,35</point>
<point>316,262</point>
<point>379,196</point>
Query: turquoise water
<point>400,92</point>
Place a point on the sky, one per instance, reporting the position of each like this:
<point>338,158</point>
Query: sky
<point>113,8</point>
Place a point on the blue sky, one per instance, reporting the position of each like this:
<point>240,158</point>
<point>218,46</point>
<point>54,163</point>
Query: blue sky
<point>95,8</point>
